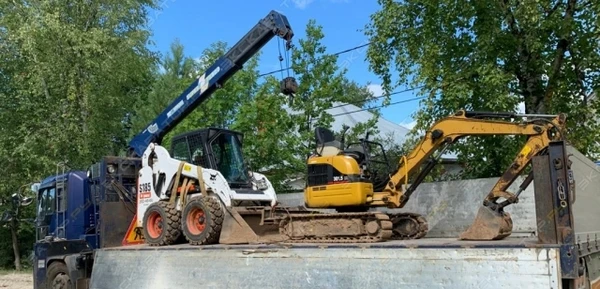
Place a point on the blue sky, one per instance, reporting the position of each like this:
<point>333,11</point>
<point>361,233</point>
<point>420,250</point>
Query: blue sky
<point>197,24</point>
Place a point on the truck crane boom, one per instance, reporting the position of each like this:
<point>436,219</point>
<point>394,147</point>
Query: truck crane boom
<point>274,24</point>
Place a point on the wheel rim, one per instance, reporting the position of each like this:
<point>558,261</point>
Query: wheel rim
<point>155,225</point>
<point>61,281</point>
<point>196,221</point>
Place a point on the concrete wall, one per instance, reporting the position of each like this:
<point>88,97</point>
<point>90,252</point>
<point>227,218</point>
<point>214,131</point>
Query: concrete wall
<point>450,207</point>
<point>586,208</point>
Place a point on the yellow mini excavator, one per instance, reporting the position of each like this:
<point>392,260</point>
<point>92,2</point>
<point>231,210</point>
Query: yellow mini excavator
<point>353,178</point>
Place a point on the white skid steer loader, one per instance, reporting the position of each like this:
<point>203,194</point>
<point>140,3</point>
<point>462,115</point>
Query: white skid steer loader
<point>179,199</point>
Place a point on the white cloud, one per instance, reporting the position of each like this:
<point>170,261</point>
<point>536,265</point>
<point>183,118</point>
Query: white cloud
<point>301,4</point>
<point>375,89</point>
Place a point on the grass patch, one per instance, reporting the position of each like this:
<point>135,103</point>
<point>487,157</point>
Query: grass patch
<point>13,271</point>
<point>7,271</point>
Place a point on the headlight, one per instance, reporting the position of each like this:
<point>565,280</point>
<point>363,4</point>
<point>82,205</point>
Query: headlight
<point>111,169</point>
<point>262,184</point>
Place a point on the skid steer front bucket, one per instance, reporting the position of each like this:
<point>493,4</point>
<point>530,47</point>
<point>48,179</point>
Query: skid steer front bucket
<point>243,225</point>
<point>489,225</point>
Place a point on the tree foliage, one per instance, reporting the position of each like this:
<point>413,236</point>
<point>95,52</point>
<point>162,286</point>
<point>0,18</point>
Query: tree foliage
<point>173,73</point>
<point>492,56</point>
<point>278,131</point>
<point>322,84</point>
<point>77,81</point>
<point>70,72</point>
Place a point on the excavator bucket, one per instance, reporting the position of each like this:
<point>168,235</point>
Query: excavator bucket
<point>489,225</point>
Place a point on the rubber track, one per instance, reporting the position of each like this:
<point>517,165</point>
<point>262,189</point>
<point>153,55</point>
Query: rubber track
<point>421,221</point>
<point>384,233</point>
<point>216,216</point>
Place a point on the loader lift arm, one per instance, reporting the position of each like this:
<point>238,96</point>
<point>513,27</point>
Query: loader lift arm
<point>274,24</point>
<point>540,132</point>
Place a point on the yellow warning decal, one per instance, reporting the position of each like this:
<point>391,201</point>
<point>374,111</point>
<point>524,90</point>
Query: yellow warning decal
<point>187,167</point>
<point>134,234</point>
<point>526,150</point>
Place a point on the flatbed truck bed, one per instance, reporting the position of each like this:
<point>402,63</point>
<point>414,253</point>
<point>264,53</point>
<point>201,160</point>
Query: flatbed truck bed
<point>424,263</point>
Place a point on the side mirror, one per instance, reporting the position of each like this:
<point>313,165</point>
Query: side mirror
<point>26,201</point>
<point>35,187</point>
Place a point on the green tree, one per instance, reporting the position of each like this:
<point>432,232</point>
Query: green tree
<point>69,75</point>
<point>321,84</point>
<point>223,107</point>
<point>492,56</point>
<point>266,126</point>
<point>173,74</point>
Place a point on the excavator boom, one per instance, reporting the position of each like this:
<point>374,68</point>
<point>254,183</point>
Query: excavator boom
<point>540,132</point>
<point>491,222</point>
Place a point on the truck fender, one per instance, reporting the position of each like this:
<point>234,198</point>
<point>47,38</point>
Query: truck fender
<point>75,273</point>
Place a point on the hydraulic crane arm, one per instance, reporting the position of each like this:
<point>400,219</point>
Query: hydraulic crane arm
<point>446,131</point>
<point>274,24</point>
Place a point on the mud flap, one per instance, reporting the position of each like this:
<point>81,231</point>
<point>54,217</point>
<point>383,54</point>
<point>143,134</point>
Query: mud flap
<point>489,225</point>
<point>237,229</point>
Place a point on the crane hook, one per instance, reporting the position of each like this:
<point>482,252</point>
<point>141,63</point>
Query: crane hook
<point>289,86</point>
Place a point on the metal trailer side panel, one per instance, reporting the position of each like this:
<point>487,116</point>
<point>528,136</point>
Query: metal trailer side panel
<point>315,267</point>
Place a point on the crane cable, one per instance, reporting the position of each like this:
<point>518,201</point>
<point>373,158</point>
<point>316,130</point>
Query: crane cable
<point>289,66</point>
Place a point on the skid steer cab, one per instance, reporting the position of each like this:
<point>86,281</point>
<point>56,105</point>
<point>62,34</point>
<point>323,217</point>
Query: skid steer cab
<point>184,195</point>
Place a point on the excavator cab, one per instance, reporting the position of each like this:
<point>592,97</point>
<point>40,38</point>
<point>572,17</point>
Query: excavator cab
<point>376,166</point>
<point>342,176</point>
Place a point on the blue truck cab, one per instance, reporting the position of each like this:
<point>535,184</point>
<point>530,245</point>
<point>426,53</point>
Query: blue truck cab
<point>68,222</point>
<point>63,215</point>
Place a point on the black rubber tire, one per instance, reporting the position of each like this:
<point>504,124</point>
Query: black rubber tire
<point>54,270</point>
<point>213,220</point>
<point>171,224</point>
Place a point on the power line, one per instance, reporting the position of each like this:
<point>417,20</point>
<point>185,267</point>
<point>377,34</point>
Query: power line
<point>380,106</point>
<point>369,108</point>
<point>381,96</point>
<point>351,49</point>
<point>334,54</point>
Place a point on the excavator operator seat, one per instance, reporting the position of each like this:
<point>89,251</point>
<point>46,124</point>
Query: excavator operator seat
<point>326,143</point>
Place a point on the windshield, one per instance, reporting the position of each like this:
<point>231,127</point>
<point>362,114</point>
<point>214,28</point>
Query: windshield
<point>228,155</point>
<point>45,208</point>
<point>46,204</point>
